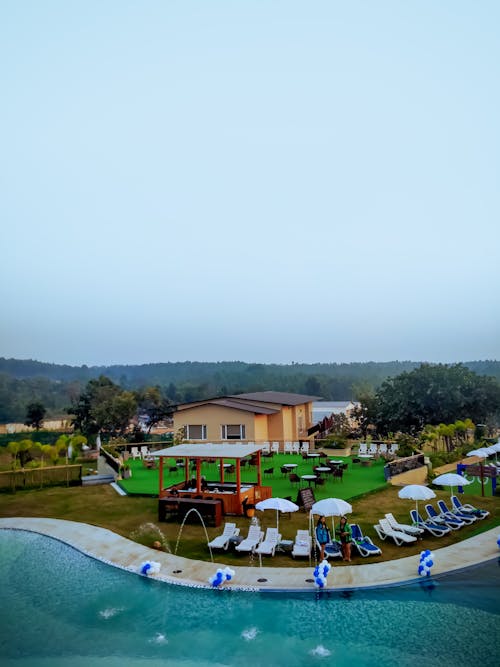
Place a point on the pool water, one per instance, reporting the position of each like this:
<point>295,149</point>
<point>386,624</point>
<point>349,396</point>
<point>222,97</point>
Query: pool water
<point>60,607</point>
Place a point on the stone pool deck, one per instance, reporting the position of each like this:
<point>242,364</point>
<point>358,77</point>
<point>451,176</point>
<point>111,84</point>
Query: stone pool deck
<point>120,552</point>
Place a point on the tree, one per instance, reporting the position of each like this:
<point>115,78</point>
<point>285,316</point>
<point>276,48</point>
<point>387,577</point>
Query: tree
<point>435,394</point>
<point>35,413</point>
<point>152,407</point>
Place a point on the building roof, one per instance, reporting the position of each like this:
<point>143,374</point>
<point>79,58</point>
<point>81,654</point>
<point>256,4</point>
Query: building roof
<point>246,406</point>
<point>281,397</point>
<point>207,450</point>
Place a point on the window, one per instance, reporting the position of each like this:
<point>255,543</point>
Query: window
<point>196,431</point>
<point>232,431</point>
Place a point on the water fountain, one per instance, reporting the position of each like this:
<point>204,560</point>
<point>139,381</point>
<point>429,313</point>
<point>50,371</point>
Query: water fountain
<point>193,509</point>
<point>150,535</point>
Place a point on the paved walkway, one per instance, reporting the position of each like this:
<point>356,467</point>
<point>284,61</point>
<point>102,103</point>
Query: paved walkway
<point>115,550</point>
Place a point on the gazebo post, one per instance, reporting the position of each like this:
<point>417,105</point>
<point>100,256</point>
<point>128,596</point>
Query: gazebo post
<point>259,473</point>
<point>198,475</point>
<point>221,466</point>
<point>238,477</point>
<point>161,475</point>
<point>186,468</point>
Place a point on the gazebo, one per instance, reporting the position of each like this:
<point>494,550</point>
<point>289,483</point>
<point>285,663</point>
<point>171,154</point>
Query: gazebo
<point>232,496</point>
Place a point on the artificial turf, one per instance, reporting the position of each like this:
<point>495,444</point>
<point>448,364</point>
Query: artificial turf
<point>357,479</point>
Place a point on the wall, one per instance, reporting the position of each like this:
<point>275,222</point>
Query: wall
<point>213,416</point>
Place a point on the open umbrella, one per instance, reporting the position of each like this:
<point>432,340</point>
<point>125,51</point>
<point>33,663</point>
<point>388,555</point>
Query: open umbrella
<point>482,451</point>
<point>416,492</point>
<point>278,504</point>
<point>451,479</point>
<point>331,507</point>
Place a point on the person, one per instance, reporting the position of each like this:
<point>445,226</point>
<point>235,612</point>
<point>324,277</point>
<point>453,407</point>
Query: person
<point>345,534</point>
<point>322,535</point>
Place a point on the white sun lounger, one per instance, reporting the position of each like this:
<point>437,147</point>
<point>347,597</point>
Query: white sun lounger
<point>384,530</point>
<point>222,541</point>
<point>254,537</point>
<point>403,527</point>
<point>268,546</point>
<point>302,545</point>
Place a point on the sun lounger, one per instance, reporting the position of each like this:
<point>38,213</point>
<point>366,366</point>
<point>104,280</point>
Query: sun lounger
<point>464,518</point>
<point>384,530</point>
<point>268,546</point>
<point>436,529</point>
<point>302,545</point>
<point>467,508</point>
<point>332,548</point>
<point>254,537</point>
<point>363,543</point>
<point>222,541</point>
<point>403,527</point>
<point>443,517</point>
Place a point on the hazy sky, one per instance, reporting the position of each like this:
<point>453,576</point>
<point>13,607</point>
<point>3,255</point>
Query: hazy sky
<point>258,181</point>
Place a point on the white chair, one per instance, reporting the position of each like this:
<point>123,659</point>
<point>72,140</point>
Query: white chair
<point>266,448</point>
<point>363,448</point>
<point>134,453</point>
<point>302,545</point>
<point>382,448</point>
<point>296,447</point>
<point>393,448</point>
<point>275,447</point>
<point>403,527</point>
<point>288,447</point>
<point>254,537</point>
<point>270,542</point>
<point>145,451</point>
<point>304,448</point>
<point>222,541</point>
<point>373,449</point>
<point>384,530</point>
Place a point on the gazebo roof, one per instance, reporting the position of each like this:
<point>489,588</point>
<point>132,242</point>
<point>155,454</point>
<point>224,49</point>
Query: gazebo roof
<point>209,451</point>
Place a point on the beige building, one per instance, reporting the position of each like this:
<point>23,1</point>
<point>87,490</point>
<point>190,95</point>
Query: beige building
<point>263,416</point>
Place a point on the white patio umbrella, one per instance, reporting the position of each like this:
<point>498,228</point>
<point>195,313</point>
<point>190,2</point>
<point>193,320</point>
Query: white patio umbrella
<point>416,492</point>
<point>331,507</point>
<point>479,452</point>
<point>278,504</point>
<point>451,479</point>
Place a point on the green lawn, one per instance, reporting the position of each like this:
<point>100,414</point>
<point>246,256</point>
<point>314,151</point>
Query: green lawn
<point>357,479</point>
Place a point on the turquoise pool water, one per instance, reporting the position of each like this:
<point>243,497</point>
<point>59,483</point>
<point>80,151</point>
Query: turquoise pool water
<point>60,607</point>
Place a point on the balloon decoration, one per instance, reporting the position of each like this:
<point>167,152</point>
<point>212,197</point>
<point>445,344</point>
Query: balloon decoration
<point>321,573</point>
<point>426,562</point>
<point>221,576</point>
<point>150,567</point>
<point>498,541</point>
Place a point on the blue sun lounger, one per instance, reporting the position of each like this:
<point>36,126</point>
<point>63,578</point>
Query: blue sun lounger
<point>467,508</point>
<point>464,518</point>
<point>431,527</point>
<point>363,543</point>
<point>444,518</point>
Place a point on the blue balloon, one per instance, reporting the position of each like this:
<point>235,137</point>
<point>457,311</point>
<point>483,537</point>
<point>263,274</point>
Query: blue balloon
<point>228,577</point>
<point>420,569</point>
<point>316,571</point>
<point>429,563</point>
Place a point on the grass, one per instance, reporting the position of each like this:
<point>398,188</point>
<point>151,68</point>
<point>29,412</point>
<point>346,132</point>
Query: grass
<point>128,516</point>
<point>357,479</point>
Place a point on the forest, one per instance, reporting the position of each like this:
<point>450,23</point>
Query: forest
<point>58,387</point>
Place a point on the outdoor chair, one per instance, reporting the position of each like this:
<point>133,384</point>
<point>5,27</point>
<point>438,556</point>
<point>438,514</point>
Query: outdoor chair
<point>443,518</point>
<point>288,448</point>
<point>222,541</point>
<point>284,471</point>
<point>467,508</point>
<point>363,543</point>
<point>468,519</point>
<point>275,447</point>
<point>384,530</point>
<point>296,447</point>
<point>304,448</point>
<point>269,472</point>
<point>436,529</point>
<point>251,541</point>
<point>302,544</point>
<point>332,549</point>
<point>319,481</point>
<point>382,448</point>
<point>338,473</point>
<point>294,478</point>
<point>373,449</point>
<point>266,448</point>
<point>145,451</point>
<point>172,469</point>
<point>403,527</point>
<point>363,448</point>
<point>134,453</point>
<point>268,546</point>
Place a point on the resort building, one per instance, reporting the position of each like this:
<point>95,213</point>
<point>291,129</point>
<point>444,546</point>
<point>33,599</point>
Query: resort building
<point>254,417</point>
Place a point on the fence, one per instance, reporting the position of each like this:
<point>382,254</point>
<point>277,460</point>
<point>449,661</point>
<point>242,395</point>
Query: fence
<point>33,478</point>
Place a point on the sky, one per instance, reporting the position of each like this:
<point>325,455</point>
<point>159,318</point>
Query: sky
<point>263,181</point>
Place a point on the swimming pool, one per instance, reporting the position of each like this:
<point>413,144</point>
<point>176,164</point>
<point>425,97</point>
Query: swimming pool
<point>60,607</point>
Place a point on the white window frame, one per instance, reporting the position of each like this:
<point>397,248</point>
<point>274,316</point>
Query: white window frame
<point>224,434</point>
<point>189,436</point>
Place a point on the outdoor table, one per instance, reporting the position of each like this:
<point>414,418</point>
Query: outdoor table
<point>289,466</point>
<point>308,478</point>
<point>312,455</point>
<point>323,469</point>
<point>226,465</point>
<point>336,462</point>
<point>365,456</point>
<point>285,546</point>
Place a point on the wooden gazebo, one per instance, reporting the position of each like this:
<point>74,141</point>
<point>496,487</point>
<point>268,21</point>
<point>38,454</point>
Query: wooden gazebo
<point>233,497</point>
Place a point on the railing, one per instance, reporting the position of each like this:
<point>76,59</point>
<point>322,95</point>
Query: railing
<point>32,478</point>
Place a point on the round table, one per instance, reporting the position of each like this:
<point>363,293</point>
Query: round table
<point>308,478</point>
<point>323,469</point>
<point>289,466</point>
<point>313,456</point>
<point>365,456</point>
<point>336,462</point>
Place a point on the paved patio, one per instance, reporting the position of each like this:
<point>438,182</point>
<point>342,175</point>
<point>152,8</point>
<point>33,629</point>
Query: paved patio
<point>118,551</point>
